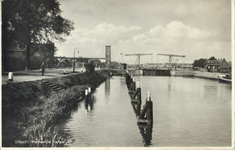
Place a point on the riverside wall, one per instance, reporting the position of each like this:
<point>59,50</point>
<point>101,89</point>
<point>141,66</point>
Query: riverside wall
<point>182,73</point>
<point>199,74</point>
<point>208,75</point>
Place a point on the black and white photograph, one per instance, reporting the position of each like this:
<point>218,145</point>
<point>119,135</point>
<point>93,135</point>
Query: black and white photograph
<point>110,74</point>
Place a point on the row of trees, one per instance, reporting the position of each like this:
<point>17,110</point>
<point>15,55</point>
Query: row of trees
<point>27,22</point>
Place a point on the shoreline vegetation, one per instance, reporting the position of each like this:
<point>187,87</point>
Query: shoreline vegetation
<point>31,110</point>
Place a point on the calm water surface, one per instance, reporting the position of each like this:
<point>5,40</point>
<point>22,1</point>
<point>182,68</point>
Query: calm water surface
<point>186,112</point>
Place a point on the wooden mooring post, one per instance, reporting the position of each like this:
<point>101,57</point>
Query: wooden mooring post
<point>149,104</point>
<point>136,108</point>
<point>132,88</point>
<point>89,92</point>
<point>86,94</point>
<point>136,97</point>
<point>88,100</point>
<point>146,115</point>
<point>10,76</point>
<point>128,80</point>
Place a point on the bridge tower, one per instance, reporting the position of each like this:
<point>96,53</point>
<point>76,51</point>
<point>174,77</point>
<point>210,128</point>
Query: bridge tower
<point>108,55</point>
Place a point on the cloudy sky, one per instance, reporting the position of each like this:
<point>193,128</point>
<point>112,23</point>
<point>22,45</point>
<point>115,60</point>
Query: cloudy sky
<point>195,28</point>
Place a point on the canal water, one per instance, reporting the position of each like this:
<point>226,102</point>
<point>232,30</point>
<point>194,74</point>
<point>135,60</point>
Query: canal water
<point>187,112</point>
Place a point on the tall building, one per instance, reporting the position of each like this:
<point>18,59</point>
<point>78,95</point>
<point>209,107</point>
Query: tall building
<point>108,56</point>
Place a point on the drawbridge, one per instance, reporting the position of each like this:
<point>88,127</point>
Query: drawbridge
<point>138,57</point>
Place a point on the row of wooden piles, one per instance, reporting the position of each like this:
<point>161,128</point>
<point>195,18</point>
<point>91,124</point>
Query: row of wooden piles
<point>145,115</point>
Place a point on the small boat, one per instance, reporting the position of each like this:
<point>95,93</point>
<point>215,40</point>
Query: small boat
<point>225,78</point>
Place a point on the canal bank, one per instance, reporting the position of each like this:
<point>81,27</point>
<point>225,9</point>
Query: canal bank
<point>207,75</point>
<point>30,110</point>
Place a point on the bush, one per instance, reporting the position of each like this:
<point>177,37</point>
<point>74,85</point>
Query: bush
<point>11,64</point>
<point>90,67</point>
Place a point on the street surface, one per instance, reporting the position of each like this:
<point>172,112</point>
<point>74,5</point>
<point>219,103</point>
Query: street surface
<point>32,75</point>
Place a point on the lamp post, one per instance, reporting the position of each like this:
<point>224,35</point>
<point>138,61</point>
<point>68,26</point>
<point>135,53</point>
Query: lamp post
<point>74,58</point>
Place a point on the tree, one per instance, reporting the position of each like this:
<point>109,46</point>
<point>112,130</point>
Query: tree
<point>96,62</point>
<point>7,14</point>
<point>33,21</point>
<point>114,64</point>
<point>199,63</point>
<point>195,63</point>
<point>90,66</point>
<point>212,58</point>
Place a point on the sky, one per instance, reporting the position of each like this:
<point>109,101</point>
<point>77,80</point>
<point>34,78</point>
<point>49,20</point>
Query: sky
<point>194,28</point>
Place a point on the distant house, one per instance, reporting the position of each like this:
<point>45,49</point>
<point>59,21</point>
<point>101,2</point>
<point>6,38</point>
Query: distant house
<point>224,66</point>
<point>211,65</point>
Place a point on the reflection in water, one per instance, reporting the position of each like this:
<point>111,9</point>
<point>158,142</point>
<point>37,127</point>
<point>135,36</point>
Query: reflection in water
<point>146,132</point>
<point>107,90</point>
<point>210,91</point>
<point>145,129</point>
<point>136,108</point>
<point>62,123</point>
<point>89,102</point>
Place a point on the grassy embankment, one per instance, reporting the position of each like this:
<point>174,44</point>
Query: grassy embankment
<point>31,110</point>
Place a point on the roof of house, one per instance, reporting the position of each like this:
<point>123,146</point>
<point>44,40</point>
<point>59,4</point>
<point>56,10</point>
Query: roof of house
<point>222,62</point>
<point>211,62</point>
